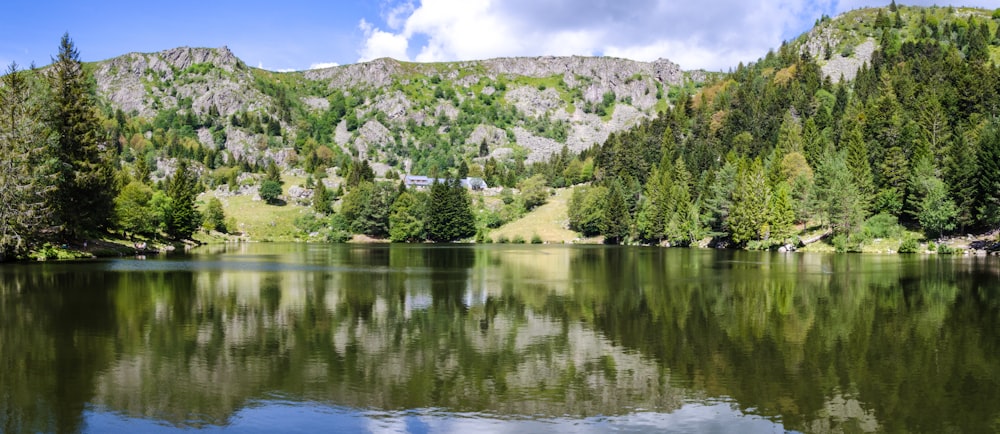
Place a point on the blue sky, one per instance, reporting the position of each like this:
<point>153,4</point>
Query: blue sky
<point>298,35</point>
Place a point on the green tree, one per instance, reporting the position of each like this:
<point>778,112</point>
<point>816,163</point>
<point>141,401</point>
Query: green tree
<point>782,214</point>
<point>406,218</point>
<point>936,212</point>
<point>534,191</point>
<point>839,199</point>
<point>321,198</point>
<point>586,209</point>
<point>25,214</point>
<point>358,172</point>
<point>215,216</point>
<point>273,173</point>
<point>84,189</point>
<point>656,206</point>
<point>449,213</point>
<point>133,210</point>
<point>183,219</point>
<point>270,191</point>
<point>989,174</point>
<point>679,221</point>
<point>961,175</point>
<point>749,218</point>
<point>366,208</point>
<point>720,195</point>
<point>858,161</point>
<point>616,221</point>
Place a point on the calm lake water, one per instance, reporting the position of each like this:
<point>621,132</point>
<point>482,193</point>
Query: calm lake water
<point>500,338</point>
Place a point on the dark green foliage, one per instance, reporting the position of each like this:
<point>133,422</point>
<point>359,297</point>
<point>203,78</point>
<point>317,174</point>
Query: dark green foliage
<point>358,172</point>
<point>989,174</point>
<point>215,217</point>
<point>449,213</point>
<point>25,181</point>
<point>750,214</point>
<point>322,198</point>
<point>909,245</point>
<point>586,209</point>
<point>183,219</point>
<point>366,208</point>
<point>616,221</point>
<point>134,210</point>
<point>84,186</point>
<point>273,173</point>
<point>270,191</point>
<point>406,217</point>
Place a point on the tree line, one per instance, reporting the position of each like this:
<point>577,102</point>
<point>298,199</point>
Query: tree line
<point>62,181</point>
<point>775,148</point>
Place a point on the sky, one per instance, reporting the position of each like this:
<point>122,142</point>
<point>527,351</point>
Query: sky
<point>297,35</point>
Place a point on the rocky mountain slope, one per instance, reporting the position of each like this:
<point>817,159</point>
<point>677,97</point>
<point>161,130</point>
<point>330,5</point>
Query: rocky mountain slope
<point>396,114</point>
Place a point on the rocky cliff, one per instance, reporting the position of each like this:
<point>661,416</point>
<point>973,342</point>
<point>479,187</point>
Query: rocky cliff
<point>544,103</point>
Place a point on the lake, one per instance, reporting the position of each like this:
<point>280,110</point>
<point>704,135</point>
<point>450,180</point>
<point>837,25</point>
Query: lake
<point>500,338</point>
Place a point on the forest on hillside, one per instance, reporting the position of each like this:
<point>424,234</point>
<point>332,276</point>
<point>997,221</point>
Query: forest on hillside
<point>755,158</point>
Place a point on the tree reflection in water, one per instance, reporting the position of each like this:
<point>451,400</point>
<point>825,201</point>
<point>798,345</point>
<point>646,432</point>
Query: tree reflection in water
<point>818,343</point>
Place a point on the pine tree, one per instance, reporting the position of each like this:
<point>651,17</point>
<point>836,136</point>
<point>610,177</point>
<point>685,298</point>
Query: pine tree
<point>858,162</point>
<point>616,221</point>
<point>679,224</point>
<point>961,175</point>
<point>449,213</point>
<point>839,198</point>
<point>989,174</point>
<point>782,214</point>
<point>749,218</point>
<point>321,198</point>
<point>25,215</point>
<point>84,191</point>
<point>183,219</point>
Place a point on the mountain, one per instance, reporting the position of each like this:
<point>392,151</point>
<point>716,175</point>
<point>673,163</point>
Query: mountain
<point>406,116</point>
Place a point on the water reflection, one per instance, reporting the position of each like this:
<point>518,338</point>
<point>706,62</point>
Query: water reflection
<point>505,338</point>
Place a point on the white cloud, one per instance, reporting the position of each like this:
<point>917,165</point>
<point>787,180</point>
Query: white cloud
<point>323,65</point>
<point>379,43</point>
<point>710,34</point>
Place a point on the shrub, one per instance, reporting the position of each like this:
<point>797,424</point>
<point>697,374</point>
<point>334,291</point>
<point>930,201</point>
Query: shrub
<point>535,239</point>
<point>909,245</point>
<point>882,225</point>
<point>502,239</point>
<point>945,249</point>
<point>518,239</point>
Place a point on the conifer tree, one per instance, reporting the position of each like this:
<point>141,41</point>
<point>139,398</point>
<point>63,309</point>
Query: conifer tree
<point>858,162</point>
<point>321,198</point>
<point>616,221</point>
<point>24,175</point>
<point>84,191</point>
<point>449,213</point>
<point>749,218</point>
<point>989,174</point>
<point>183,219</point>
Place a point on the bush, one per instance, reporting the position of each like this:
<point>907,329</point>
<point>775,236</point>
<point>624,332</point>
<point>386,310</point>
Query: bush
<point>535,239</point>
<point>502,239</point>
<point>518,239</point>
<point>882,226</point>
<point>945,249</point>
<point>909,245</point>
<point>270,190</point>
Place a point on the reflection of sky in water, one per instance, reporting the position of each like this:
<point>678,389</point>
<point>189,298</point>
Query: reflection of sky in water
<point>295,417</point>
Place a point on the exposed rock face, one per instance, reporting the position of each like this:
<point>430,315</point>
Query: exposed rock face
<point>146,83</point>
<point>392,96</point>
<point>847,67</point>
